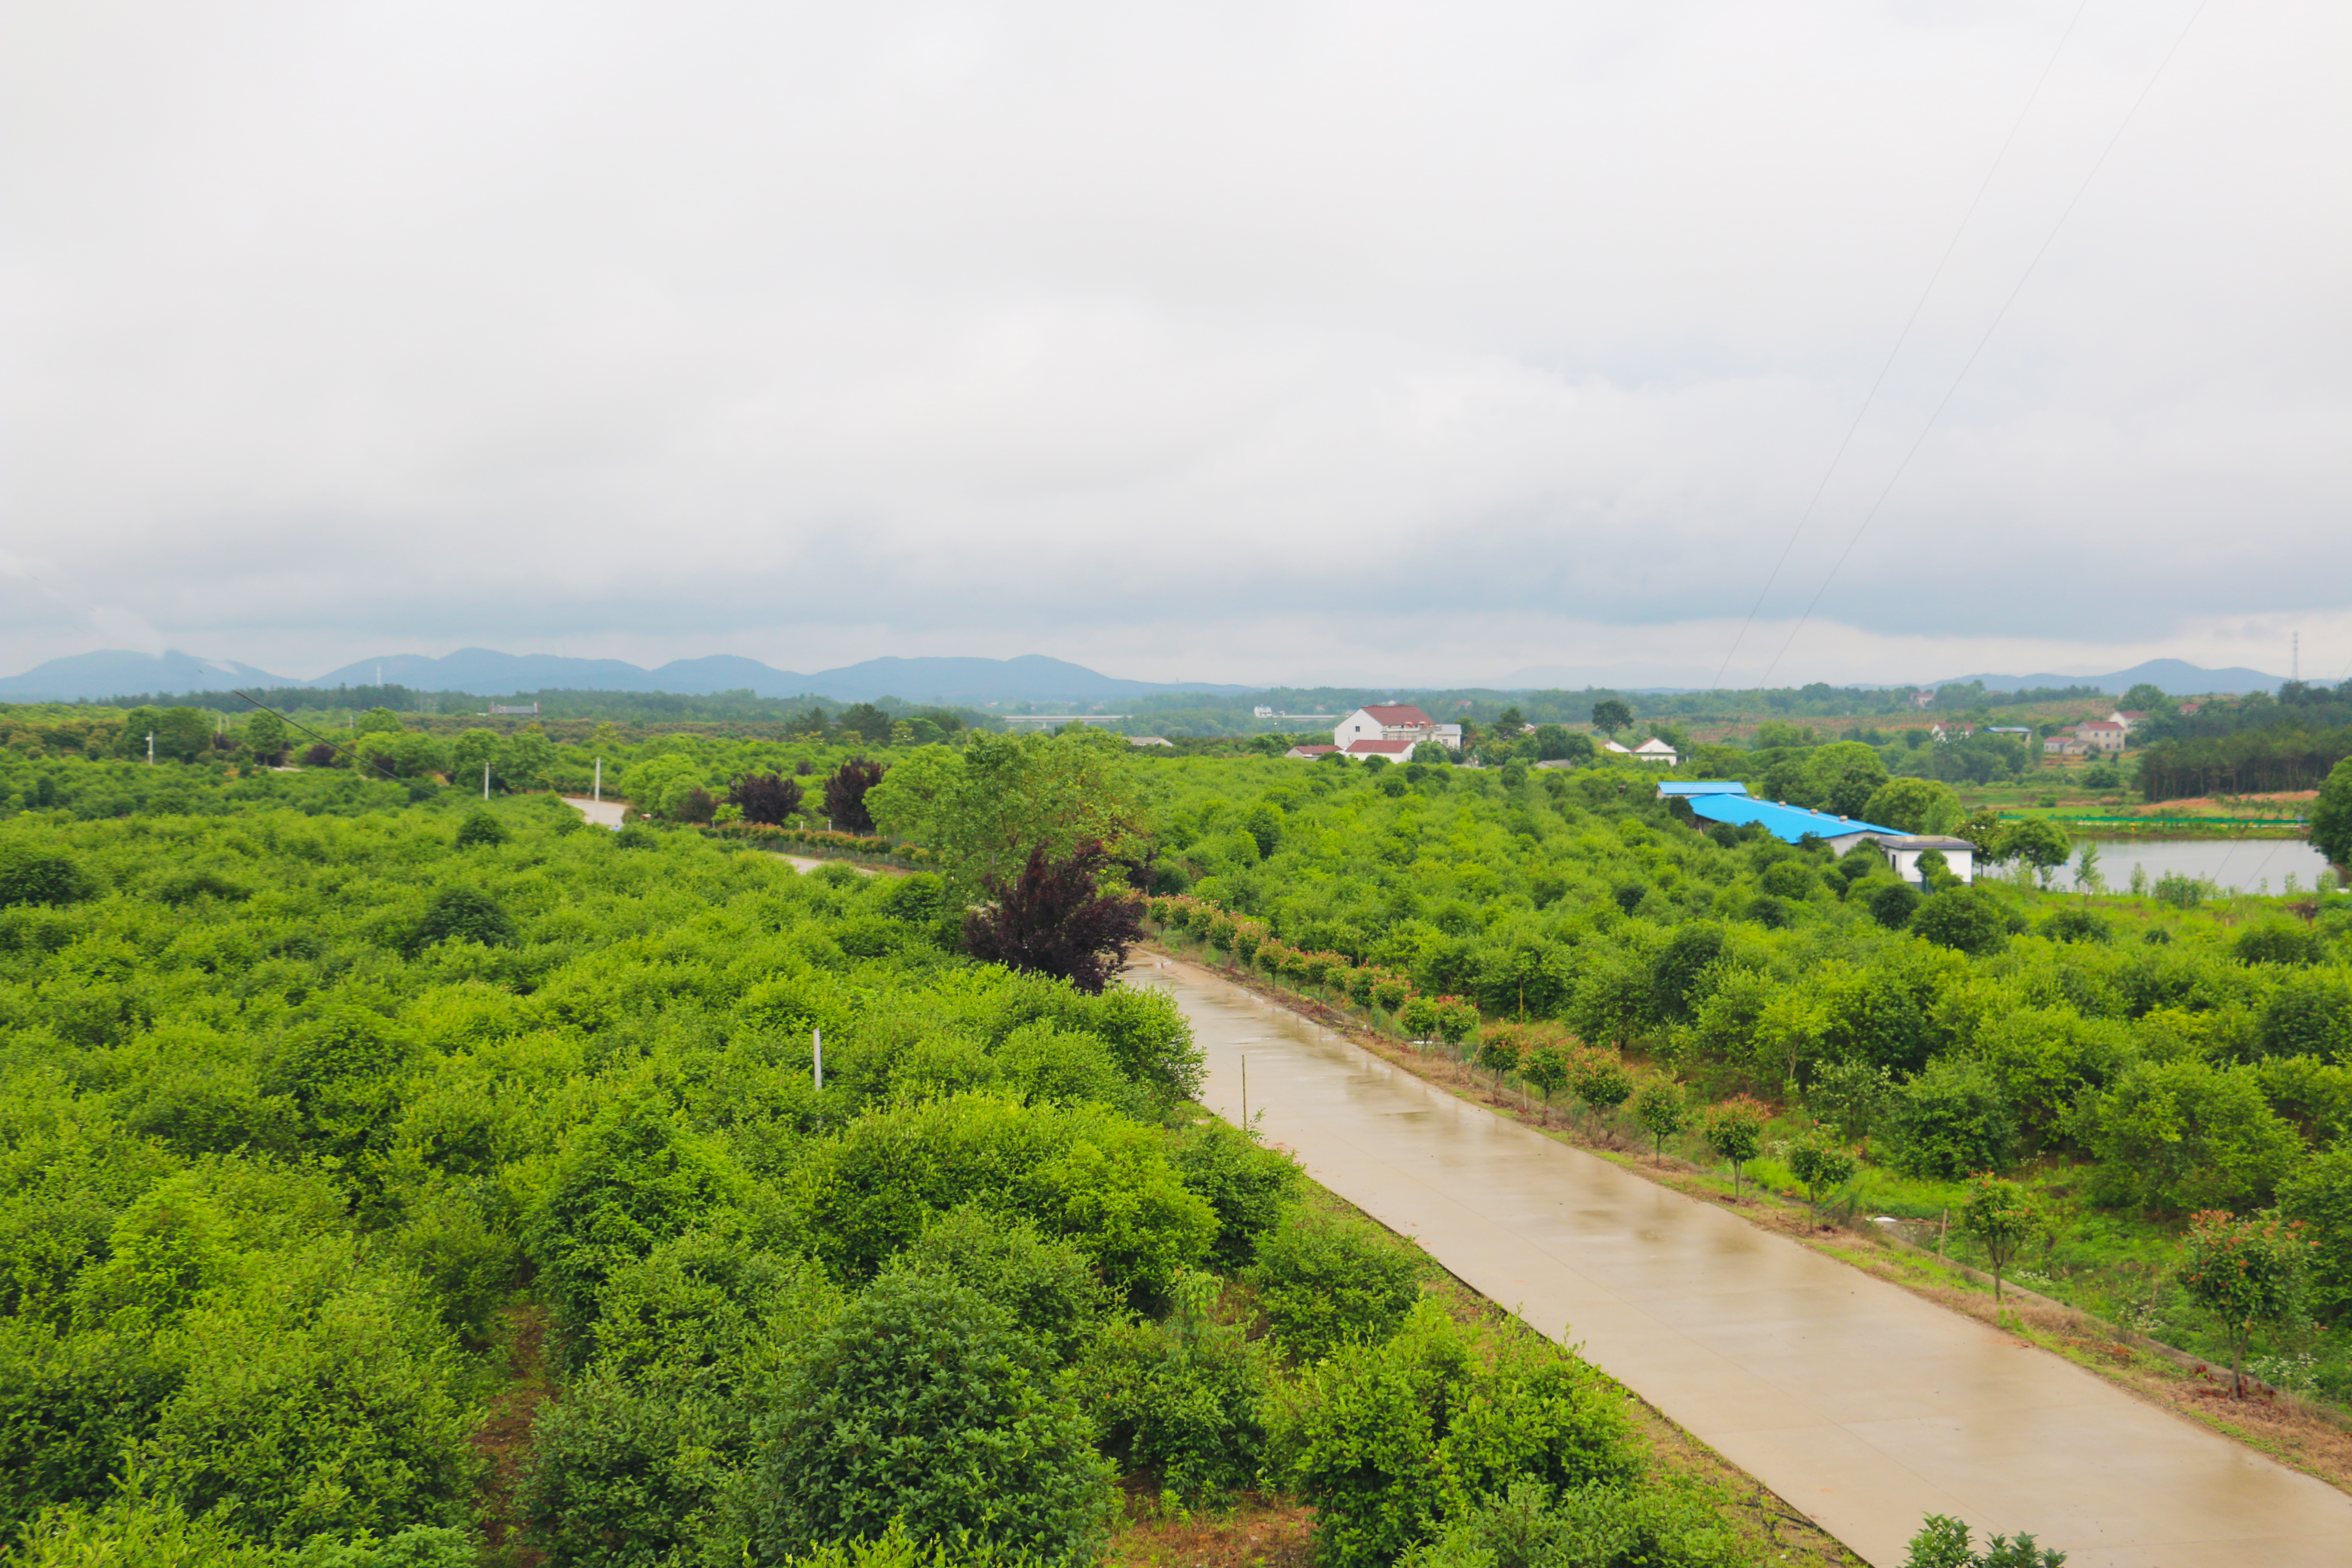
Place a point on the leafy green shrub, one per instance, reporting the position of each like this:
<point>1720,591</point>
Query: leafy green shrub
<point>1250,1187</point>
<point>479,828</point>
<point>708,1308</point>
<point>31,877</point>
<point>464,914</point>
<point>470,1262</point>
<point>1046,1286</point>
<point>1393,1441</point>
<point>1821,1164</point>
<point>894,1548</point>
<point>2308,1015</point>
<point>624,1475</point>
<point>1181,1398</point>
<point>1894,904</point>
<point>1791,880</point>
<point>326,1400</point>
<point>2183,891</point>
<point>71,1406</point>
<point>1323,1282</point>
<point>2318,1194</point>
<point>632,1179</point>
<point>923,1404</point>
<point>1531,1524</point>
<point>2077,925</point>
<point>1967,920</point>
<point>1044,1063</point>
<point>2280,941</point>
<point>187,887</point>
<point>1082,1172</point>
<point>2187,1135</point>
<point>345,1070</point>
<point>1943,1542</point>
<point>1676,970</point>
<point>1949,1121</point>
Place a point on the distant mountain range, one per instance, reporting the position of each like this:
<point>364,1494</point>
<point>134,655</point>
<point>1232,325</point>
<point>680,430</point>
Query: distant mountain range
<point>2172,676</point>
<point>482,672</point>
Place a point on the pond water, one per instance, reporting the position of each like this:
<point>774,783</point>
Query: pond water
<point>2241,865</point>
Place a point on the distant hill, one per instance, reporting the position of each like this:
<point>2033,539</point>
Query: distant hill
<point>2173,676</point>
<point>484,672</point>
<point>114,672</point>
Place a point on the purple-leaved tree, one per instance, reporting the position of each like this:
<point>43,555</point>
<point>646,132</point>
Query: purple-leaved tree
<point>1055,918</point>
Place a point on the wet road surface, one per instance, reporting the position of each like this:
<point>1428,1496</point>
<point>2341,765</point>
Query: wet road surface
<point>1856,1402</point>
<point>599,813</point>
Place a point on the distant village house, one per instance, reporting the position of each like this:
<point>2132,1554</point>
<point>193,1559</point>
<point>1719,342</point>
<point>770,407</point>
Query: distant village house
<point>1390,730</point>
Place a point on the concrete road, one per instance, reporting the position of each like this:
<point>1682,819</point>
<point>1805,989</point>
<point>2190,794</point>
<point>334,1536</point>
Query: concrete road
<point>609,813</point>
<point>1856,1402</point>
<point>599,813</point>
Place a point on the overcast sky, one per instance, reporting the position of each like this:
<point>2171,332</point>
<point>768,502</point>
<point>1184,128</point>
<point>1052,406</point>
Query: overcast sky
<point>1256,341</point>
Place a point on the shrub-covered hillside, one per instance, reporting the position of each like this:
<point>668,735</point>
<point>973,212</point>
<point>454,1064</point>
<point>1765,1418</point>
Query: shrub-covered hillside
<point>302,1118</point>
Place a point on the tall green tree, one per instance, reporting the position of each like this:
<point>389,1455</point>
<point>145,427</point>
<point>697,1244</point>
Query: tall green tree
<point>1735,1131</point>
<point>265,736</point>
<point>1662,1109</point>
<point>1610,715</point>
<point>985,807</point>
<point>2331,817</point>
<point>2003,1216</point>
<point>2039,843</point>
<point>2249,1273</point>
<point>1843,777</point>
<point>1911,805</point>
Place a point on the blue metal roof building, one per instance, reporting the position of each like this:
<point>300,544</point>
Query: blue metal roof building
<point>1729,801</point>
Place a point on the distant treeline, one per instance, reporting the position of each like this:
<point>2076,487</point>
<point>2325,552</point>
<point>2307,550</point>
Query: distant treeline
<point>639,707</point>
<point>2299,705</point>
<point>1180,714</point>
<point>2251,761</point>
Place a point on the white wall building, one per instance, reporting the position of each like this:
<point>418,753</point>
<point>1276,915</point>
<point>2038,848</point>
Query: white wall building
<point>1388,721</point>
<point>1903,854</point>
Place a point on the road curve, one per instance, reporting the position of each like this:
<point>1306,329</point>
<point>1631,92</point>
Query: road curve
<point>1858,1403</point>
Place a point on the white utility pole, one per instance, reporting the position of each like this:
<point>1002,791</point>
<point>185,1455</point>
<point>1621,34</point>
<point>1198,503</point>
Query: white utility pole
<point>816,1043</point>
<point>486,781</point>
<point>600,781</point>
<point>151,748</point>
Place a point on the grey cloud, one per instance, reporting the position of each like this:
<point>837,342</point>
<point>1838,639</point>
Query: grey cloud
<point>339,328</point>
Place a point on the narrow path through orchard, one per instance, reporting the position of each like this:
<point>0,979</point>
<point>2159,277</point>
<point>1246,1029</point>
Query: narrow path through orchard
<point>1855,1401</point>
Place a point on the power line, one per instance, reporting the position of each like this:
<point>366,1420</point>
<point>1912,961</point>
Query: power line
<point>1901,338</point>
<point>1994,326</point>
<point>314,735</point>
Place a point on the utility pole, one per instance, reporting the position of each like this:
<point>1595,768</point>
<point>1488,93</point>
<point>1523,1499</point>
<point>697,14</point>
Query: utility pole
<point>816,1044</point>
<point>600,781</point>
<point>486,781</point>
<point>151,748</point>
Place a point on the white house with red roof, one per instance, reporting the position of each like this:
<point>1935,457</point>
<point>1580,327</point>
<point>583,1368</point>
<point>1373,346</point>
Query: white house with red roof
<point>2102,734</point>
<point>1391,729</point>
